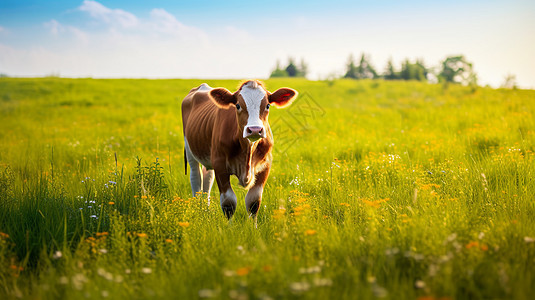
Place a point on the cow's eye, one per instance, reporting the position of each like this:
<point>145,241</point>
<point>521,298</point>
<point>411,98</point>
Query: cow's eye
<point>267,106</point>
<point>238,107</point>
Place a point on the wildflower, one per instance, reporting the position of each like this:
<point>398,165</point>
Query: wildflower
<point>311,270</point>
<point>206,293</point>
<point>243,271</point>
<point>93,216</point>
<point>57,255</point>
<point>143,197</point>
<point>419,284</point>
<point>183,224</point>
<point>310,232</point>
<point>323,282</point>
<point>267,268</point>
<point>278,213</point>
<point>299,287</point>
<point>345,204</point>
<point>111,203</point>
<point>142,235</point>
<point>170,241</point>
<point>302,207</point>
<point>146,270</point>
<point>104,233</point>
<point>4,235</point>
<point>472,245</point>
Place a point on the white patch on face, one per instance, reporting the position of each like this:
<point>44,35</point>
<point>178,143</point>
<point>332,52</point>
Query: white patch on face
<point>253,99</point>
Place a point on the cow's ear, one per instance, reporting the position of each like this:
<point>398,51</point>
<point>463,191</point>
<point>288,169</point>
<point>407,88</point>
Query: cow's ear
<point>282,97</point>
<point>223,97</point>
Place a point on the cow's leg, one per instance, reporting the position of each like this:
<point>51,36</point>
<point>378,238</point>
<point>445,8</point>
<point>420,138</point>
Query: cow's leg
<point>253,199</point>
<point>228,199</point>
<point>208,177</point>
<point>195,171</point>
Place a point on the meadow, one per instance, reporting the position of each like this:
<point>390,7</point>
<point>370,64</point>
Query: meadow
<point>379,189</point>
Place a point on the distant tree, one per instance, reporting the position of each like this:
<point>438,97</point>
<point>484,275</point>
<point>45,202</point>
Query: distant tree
<point>363,71</point>
<point>390,72</point>
<point>291,69</point>
<point>422,70</point>
<point>351,68</point>
<point>456,69</point>
<point>413,71</point>
<point>302,70</point>
<point>278,72</point>
<point>2,75</point>
<point>509,82</point>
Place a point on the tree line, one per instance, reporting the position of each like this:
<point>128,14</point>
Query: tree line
<point>453,69</point>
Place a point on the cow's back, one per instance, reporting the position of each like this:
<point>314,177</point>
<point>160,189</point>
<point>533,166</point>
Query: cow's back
<point>198,116</point>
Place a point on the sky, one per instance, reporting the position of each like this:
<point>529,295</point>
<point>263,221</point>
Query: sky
<point>239,40</point>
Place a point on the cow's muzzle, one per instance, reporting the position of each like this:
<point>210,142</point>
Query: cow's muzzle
<point>254,133</point>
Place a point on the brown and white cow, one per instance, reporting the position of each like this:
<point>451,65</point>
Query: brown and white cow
<point>229,134</point>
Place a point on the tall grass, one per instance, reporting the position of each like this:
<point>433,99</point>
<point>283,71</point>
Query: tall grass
<point>396,190</point>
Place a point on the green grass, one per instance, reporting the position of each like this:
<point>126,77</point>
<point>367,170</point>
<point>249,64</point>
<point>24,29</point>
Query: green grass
<point>401,190</point>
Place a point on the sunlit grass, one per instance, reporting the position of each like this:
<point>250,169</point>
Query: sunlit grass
<point>396,189</point>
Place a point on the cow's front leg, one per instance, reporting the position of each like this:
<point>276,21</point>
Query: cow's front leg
<point>253,199</point>
<point>228,199</point>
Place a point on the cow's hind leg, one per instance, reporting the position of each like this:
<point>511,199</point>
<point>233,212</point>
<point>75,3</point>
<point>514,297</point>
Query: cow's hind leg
<point>208,177</point>
<point>195,171</point>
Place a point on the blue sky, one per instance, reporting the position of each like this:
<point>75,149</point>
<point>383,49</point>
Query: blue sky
<point>235,39</point>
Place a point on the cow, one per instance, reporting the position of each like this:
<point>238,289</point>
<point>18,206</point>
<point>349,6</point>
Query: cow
<point>228,134</point>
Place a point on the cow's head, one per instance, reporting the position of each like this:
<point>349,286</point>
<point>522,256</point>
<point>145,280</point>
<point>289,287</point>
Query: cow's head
<point>252,102</point>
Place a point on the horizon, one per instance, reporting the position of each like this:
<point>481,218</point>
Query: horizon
<point>208,39</point>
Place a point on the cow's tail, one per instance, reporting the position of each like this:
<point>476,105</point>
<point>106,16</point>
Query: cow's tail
<point>185,162</point>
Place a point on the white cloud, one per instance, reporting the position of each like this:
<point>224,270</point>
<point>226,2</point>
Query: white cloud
<point>116,17</point>
<point>54,26</point>
<point>165,22</point>
<point>57,29</point>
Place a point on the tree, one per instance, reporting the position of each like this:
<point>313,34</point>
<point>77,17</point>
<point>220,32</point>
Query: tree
<point>509,82</point>
<point>363,71</point>
<point>291,69</point>
<point>390,73</point>
<point>351,68</point>
<point>456,69</point>
<point>413,71</point>
<point>302,70</point>
<point>278,72</point>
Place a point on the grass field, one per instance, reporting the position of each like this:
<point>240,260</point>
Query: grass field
<point>397,190</point>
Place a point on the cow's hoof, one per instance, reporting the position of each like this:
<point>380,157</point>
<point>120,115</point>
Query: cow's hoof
<point>253,208</point>
<point>228,210</point>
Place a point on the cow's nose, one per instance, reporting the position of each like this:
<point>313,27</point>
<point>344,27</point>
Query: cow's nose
<point>254,132</point>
